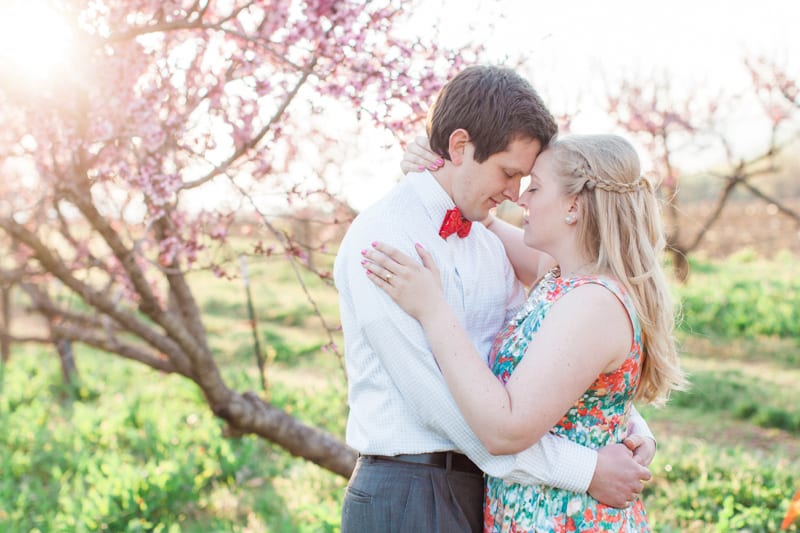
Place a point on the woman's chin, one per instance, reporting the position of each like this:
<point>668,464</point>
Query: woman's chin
<point>529,240</point>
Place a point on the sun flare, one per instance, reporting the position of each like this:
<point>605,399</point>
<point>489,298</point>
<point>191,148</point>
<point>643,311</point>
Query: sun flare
<point>34,39</point>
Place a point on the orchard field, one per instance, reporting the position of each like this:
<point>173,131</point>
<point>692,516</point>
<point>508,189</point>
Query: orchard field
<point>132,450</point>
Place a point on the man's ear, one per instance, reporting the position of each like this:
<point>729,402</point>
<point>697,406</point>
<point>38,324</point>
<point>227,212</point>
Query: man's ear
<point>458,142</point>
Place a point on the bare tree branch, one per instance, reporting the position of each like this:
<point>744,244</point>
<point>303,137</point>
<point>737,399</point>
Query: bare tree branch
<point>96,299</point>
<point>113,345</point>
<point>289,251</point>
<point>722,199</point>
<point>182,301</point>
<point>782,207</point>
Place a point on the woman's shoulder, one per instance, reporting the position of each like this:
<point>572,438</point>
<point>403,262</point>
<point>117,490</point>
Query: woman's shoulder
<point>597,293</point>
<point>604,295</point>
<point>591,319</point>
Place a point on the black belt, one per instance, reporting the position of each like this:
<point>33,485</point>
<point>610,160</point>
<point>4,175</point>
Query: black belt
<point>447,460</point>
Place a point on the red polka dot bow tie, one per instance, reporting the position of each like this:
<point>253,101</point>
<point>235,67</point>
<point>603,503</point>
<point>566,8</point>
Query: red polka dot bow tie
<point>454,223</point>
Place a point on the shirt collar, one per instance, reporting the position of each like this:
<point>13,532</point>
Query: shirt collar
<point>432,196</point>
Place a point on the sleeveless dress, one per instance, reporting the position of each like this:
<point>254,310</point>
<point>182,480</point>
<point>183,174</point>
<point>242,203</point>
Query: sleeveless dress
<point>598,418</point>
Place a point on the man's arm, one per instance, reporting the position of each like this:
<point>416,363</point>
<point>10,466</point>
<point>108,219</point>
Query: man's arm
<point>529,264</point>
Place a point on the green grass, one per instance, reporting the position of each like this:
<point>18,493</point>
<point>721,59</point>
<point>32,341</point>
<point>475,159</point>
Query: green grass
<point>130,449</point>
<point>700,486</point>
<point>728,448</point>
<point>745,296</point>
<point>134,450</point>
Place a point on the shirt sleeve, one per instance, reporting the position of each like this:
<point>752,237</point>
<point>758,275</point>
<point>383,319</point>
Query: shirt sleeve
<point>399,342</point>
<point>639,426</point>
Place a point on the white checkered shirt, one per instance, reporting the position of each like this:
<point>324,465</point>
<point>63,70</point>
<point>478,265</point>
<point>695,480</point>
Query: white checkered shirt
<point>399,402</point>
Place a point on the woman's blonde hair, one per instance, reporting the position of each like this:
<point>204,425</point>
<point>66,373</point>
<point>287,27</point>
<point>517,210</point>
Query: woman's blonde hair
<point>619,223</point>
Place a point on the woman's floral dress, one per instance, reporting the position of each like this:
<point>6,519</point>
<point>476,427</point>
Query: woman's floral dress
<point>598,418</point>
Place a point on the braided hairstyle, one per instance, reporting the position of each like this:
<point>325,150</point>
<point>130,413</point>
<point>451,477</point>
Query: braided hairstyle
<point>619,223</point>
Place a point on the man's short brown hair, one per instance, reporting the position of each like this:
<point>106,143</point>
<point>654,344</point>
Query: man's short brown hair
<point>495,105</point>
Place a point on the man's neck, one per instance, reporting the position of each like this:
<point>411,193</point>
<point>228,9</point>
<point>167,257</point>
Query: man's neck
<point>444,176</point>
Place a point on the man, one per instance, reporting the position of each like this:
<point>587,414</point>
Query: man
<point>420,466</point>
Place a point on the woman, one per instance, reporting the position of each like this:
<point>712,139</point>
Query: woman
<point>594,334</point>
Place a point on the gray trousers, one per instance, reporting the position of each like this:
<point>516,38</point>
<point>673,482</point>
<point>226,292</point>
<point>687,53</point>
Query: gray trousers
<point>390,497</point>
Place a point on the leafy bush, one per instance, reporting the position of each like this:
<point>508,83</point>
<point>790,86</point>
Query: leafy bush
<point>744,297</point>
<point>743,397</point>
<point>699,488</point>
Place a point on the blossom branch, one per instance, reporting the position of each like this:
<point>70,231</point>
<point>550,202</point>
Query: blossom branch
<point>225,165</point>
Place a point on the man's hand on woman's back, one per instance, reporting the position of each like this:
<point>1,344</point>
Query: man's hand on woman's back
<point>618,477</point>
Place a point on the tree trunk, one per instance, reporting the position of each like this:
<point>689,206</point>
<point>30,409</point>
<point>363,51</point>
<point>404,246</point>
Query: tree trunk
<point>69,370</point>
<point>247,413</point>
<point>680,262</point>
<point>5,327</point>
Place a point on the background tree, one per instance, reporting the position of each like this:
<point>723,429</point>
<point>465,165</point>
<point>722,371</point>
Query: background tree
<point>103,171</point>
<point>674,129</point>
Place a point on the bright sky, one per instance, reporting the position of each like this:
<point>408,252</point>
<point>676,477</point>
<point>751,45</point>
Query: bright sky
<point>572,48</point>
<point>33,41</point>
<point>701,40</point>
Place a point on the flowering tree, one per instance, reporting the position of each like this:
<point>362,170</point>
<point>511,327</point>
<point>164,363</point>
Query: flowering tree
<point>670,128</point>
<point>165,98</point>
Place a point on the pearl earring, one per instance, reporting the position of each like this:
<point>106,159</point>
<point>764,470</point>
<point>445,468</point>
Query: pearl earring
<point>570,219</point>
